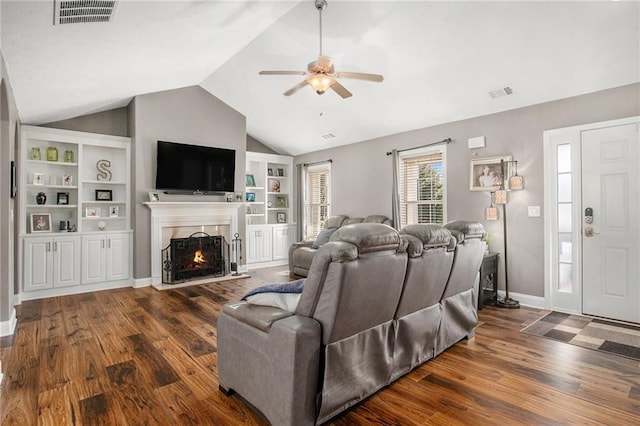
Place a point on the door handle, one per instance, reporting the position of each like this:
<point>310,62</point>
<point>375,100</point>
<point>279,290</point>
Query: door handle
<point>102,242</point>
<point>48,246</point>
<point>55,246</point>
<point>589,232</point>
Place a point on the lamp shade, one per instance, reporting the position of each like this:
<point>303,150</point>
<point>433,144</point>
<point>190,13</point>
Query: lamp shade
<point>516,182</point>
<point>320,82</point>
<point>500,196</point>
<point>491,213</point>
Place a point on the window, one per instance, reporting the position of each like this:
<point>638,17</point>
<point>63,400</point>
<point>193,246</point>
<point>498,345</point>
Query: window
<point>422,187</point>
<point>317,198</point>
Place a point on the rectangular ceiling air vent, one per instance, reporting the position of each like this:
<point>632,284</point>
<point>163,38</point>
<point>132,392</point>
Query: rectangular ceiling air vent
<point>82,11</point>
<point>328,136</point>
<point>500,92</point>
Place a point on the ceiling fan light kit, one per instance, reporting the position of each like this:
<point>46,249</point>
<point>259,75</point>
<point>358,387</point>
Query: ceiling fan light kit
<point>320,74</point>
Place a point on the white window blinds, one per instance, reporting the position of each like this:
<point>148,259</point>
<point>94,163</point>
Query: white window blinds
<point>317,198</point>
<point>422,188</point>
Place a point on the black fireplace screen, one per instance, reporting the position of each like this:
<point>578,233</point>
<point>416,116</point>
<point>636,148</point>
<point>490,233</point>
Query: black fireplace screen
<point>199,255</point>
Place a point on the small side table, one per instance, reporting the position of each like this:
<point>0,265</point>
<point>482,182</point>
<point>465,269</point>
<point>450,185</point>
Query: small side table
<point>488,279</point>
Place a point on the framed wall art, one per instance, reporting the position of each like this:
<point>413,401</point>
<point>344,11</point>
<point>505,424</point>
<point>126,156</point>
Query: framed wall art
<point>485,173</point>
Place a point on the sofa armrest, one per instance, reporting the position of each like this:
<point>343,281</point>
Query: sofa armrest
<point>274,370</point>
<point>294,247</point>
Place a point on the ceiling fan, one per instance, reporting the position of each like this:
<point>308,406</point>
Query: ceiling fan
<point>320,74</point>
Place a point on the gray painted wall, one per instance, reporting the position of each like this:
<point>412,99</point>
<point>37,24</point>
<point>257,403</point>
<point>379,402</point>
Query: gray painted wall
<point>113,122</point>
<point>361,173</point>
<point>188,115</point>
<point>253,145</point>
<point>8,127</point>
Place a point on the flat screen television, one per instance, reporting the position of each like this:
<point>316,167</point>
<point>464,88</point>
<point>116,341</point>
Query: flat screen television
<point>194,168</point>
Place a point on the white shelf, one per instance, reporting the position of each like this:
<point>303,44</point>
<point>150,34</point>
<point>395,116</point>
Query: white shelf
<point>102,182</point>
<point>254,188</point>
<point>277,208</point>
<point>31,185</point>
<point>104,218</point>
<point>254,214</point>
<point>52,206</point>
<point>103,202</point>
<point>55,163</point>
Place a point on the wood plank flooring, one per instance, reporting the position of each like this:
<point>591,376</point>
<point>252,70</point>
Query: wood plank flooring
<point>141,356</point>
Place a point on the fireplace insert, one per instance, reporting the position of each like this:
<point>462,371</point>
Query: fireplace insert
<point>199,255</point>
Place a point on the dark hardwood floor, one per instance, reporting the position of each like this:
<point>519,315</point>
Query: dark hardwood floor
<point>142,356</point>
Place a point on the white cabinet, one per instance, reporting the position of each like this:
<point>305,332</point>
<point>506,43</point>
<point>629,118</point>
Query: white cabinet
<point>105,257</point>
<point>258,243</point>
<point>269,188</point>
<point>51,262</point>
<point>283,237</point>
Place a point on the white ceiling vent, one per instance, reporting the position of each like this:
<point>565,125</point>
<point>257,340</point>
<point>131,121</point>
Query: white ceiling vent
<point>79,11</point>
<point>328,136</point>
<point>500,92</point>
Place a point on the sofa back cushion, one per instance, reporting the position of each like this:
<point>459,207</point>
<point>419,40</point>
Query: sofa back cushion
<point>323,237</point>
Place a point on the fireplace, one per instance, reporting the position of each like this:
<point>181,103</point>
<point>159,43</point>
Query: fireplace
<point>196,256</point>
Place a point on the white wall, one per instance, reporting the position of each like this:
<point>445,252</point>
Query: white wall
<point>361,173</point>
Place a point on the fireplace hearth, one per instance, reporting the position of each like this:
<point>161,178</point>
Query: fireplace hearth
<point>197,256</point>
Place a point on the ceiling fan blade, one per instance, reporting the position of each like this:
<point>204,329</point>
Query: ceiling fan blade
<point>340,90</point>
<point>360,76</point>
<point>282,72</point>
<point>295,88</point>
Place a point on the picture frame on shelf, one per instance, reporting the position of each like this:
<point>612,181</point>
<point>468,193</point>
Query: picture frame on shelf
<point>485,174</point>
<point>104,195</point>
<point>91,212</point>
<point>281,172</point>
<point>62,198</point>
<point>274,185</point>
<point>67,180</point>
<point>38,178</point>
<point>249,180</point>
<point>281,202</point>
<point>113,211</point>
<point>154,196</point>
<point>40,222</point>
<point>269,171</point>
<point>281,217</point>
<point>251,197</point>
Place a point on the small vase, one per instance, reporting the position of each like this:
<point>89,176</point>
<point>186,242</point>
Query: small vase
<point>52,153</point>
<point>68,156</point>
<point>41,198</point>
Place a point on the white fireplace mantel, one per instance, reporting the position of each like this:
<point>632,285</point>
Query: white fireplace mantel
<point>179,213</point>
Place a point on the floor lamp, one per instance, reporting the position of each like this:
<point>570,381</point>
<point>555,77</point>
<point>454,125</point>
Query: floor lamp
<point>514,183</point>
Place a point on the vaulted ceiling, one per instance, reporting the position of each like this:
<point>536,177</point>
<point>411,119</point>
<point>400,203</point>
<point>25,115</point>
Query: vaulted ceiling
<point>440,60</point>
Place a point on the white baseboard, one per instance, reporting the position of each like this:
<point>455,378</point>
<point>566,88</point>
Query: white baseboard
<point>8,327</point>
<point>141,282</point>
<point>526,299</point>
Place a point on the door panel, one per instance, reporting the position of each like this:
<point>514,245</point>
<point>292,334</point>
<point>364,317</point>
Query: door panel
<point>610,243</point>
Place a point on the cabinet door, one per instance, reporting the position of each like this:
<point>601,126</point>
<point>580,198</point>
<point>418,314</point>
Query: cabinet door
<point>66,261</point>
<point>283,237</point>
<point>118,258</point>
<point>259,244</point>
<point>38,264</point>
<point>93,259</point>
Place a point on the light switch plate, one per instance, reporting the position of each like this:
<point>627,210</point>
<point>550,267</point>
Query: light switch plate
<point>534,211</point>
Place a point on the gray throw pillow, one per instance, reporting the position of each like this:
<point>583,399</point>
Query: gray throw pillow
<point>323,237</point>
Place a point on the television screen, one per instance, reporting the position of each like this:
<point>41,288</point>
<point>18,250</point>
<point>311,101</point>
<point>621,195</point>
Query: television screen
<point>194,168</point>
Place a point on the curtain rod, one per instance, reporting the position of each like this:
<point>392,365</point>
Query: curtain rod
<point>318,162</point>
<point>446,141</point>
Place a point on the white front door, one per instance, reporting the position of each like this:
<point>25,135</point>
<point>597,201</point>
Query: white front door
<point>611,238</point>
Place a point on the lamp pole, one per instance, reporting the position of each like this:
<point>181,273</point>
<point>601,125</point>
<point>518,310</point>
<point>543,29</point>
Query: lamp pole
<point>506,302</point>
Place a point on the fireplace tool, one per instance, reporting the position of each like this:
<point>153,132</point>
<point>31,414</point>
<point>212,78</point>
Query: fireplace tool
<point>236,245</point>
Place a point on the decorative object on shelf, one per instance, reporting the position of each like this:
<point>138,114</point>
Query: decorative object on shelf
<point>41,198</point>
<point>486,173</point>
<point>281,202</point>
<point>251,197</point>
<point>68,156</point>
<point>104,195</point>
<point>34,153</point>
<point>63,198</point>
<point>63,225</point>
<point>269,204</point>
<point>250,180</point>
<point>238,197</point>
<point>229,197</point>
<point>508,182</point>
<point>102,226</point>
<point>281,217</point>
<point>91,212</point>
<point>52,153</point>
<point>40,222</point>
<point>67,180</point>
<point>113,211</point>
<point>281,172</point>
<point>274,185</point>
<point>104,174</point>
<point>236,254</point>
<point>254,211</point>
<point>269,171</point>
<point>154,196</point>
<point>38,178</point>
<point>14,183</point>
<point>247,209</point>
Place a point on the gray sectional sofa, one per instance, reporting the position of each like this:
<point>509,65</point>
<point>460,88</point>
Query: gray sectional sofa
<point>376,304</point>
<point>301,253</point>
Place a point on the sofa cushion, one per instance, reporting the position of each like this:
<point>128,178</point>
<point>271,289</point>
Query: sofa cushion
<point>353,220</point>
<point>369,237</point>
<point>335,221</point>
<point>323,237</point>
<point>378,218</point>
<point>468,228</point>
<point>430,235</point>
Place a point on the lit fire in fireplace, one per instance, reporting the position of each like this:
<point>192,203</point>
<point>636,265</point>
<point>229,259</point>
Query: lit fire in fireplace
<point>199,257</point>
